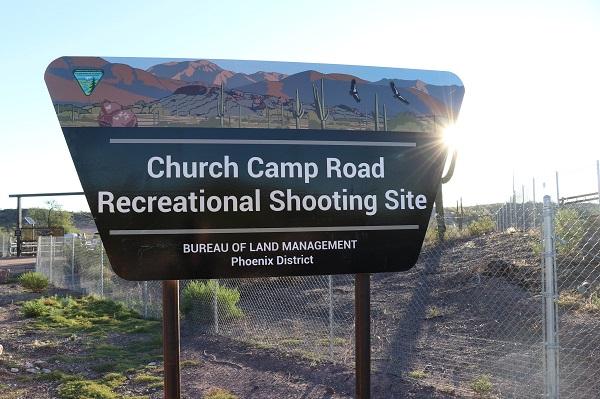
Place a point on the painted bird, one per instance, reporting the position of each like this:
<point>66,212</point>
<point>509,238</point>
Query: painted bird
<point>396,94</point>
<point>353,91</point>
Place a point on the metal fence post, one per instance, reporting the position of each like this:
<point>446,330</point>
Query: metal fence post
<point>557,190</point>
<point>523,206</point>
<point>73,262</point>
<point>598,176</point>
<point>534,204</point>
<point>549,296</point>
<point>216,306</point>
<point>101,270</point>
<point>51,257</point>
<point>145,296</point>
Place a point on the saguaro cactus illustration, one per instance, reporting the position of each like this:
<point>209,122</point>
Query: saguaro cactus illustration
<point>385,127</point>
<point>376,113</point>
<point>320,108</point>
<point>221,105</point>
<point>298,110</point>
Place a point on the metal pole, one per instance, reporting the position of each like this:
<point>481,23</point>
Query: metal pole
<point>216,306</point>
<point>523,206</point>
<point>598,176</point>
<point>534,204</point>
<point>557,191</point>
<point>171,339</point>
<point>330,281</point>
<point>73,262</point>
<point>362,330</point>
<point>101,270</point>
<point>549,296</point>
<point>19,225</point>
<point>145,295</point>
<point>51,256</point>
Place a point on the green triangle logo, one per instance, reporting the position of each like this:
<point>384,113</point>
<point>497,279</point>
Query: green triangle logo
<point>88,79</point>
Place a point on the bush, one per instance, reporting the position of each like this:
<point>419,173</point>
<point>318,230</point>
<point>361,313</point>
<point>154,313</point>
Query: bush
<point>569,230</point>
<point>34,281</point>
<point>218,393</point>
<point>33,308</point>
<point>482,385</point>
<point>198,297</point>
<point>85,389</point>
<point>481,226</point>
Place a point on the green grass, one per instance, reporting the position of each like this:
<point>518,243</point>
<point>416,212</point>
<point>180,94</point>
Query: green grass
<point>433,312</point>
<point>198,300</point>
<point>97,323</point>
<point>145,378</point>
<point>190,363</point>
<point>33,281</point>
<point>85,389</point>
<point>482,385</point>
<point>291,342</point>
<point>219,393</point>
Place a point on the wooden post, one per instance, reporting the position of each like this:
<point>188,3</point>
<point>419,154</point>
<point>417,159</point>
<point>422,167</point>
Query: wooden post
<point>172,388</point>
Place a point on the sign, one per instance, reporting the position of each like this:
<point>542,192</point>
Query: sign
<point>290,172</point>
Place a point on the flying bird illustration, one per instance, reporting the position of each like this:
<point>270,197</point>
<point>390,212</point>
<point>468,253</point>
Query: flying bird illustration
<point>396,94</point>
<point>353,91</point>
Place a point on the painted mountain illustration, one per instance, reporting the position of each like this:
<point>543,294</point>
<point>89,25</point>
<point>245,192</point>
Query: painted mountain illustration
<point>210,73</point>
<point>202,93</point>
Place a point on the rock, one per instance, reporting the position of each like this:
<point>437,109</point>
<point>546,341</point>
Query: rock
<point>28,365</point>
<point>152,364</point>
<point>14,370</point>
<point>46,371</point>
<point>4,275</point>
<point>1,349</point>
<point>39,362</point>
<point>33,371</point>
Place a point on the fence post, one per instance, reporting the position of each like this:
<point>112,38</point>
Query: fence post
<point>330,280</point>
<point>534,204</point>
<point>38,255</point>
<point>523,206</point>
<point>73,262</point>
<point>2,254</point>
<point>101,270</point>
<point>51,257</point>
<point>145,295</point>
<point>557,190</point>
<point>598,176</point>
<point>216,306</point>
<point>549,295</point>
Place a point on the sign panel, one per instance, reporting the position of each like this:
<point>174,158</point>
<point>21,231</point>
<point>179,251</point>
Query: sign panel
<point>193,170</point>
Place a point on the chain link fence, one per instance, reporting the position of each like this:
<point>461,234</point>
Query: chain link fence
<point>469,319</point>
<point>5,244</point>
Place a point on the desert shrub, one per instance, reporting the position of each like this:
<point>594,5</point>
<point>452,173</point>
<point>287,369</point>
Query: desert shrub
<point>482,385</point>
<point>569,230</point>
<point>198,297</point>
<point>481,226</point>
<point>33,308</point>
<point>34,281</point>
<point>218,393</point>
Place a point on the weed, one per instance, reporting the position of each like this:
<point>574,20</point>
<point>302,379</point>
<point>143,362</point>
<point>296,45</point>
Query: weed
<point>145,378</point>
<point>218,393</point>
<point>33,309</point>
<point>482,385</point>
<point>417,374</point>
<point>34,281</point>
<point>433,312</point>
<point>190,363</point>
<point>291,342</point>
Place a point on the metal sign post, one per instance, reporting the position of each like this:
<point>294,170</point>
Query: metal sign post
<point>172,380</point>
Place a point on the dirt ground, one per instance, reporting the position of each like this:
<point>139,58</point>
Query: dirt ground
<point>35,362</point>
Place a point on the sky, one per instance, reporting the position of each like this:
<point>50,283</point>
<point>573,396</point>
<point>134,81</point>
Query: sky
<point>530,70</point>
